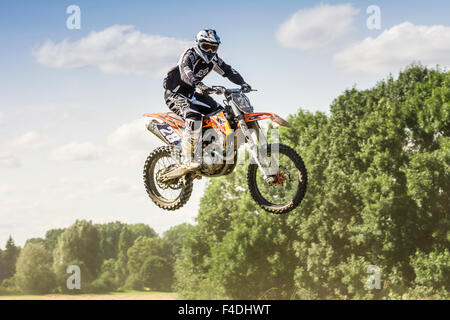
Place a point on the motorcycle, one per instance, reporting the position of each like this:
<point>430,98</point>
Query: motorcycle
<point>276,176</point>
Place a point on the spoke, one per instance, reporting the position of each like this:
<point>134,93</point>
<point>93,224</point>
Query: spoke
<point>166,193</point>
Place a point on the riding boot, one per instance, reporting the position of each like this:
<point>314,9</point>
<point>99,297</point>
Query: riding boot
<point>191,148</point>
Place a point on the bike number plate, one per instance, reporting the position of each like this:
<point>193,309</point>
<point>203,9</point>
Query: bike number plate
<point>169,134</point>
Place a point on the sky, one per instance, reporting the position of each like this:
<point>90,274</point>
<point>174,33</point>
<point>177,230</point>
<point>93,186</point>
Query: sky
<point>72,137</point>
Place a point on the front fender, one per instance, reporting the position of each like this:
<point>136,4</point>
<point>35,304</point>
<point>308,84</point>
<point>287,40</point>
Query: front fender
<point>256,116</point>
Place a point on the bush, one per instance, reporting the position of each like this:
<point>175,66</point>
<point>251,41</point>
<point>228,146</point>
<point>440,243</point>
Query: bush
<point>432,272</point>
<point>156,273</point>
<point>9,287</point>
<point>105,283</point>
<point>191,284</point>
<point>134,283</point>
<point>8,291</point>
<point>34,272</point>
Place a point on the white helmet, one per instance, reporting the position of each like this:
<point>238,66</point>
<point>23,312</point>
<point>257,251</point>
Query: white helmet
<point>207,42</point>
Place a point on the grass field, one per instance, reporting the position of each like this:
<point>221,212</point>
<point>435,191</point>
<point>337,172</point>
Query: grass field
<point>127,295</point>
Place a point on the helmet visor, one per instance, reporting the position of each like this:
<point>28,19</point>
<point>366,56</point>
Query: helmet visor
<point>211,47</point>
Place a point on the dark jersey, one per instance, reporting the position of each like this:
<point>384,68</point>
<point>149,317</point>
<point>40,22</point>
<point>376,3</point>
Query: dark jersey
<point>191,70</point>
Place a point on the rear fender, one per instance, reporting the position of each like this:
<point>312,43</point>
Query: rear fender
<point>167,118</point>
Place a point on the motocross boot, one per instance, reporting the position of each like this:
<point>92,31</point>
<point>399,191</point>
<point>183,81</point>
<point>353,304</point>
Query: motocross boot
<point>191,149</point>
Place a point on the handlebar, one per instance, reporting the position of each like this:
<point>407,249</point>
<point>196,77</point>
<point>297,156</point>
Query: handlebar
<point>223,90</point>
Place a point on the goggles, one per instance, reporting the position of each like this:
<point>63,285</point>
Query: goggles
<point>209,46</point>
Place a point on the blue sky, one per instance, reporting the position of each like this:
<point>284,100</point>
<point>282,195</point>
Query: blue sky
<point>72,142</point>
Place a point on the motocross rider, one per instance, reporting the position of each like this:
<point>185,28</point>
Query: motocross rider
<point>182,98</point>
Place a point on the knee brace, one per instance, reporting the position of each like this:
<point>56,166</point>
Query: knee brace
<point>193,120</point>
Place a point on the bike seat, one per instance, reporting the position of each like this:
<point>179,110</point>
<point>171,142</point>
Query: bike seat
<point>175,116</point>
<point>212,114</point>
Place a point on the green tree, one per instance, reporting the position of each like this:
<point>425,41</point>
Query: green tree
<point>158,251</point>
<point>257,247</point>
<point>8,259</point>
<point>107,281</point>
<point>141,229</point>
<point>155,273</point>
<point>127,237</point>
<point>217,206</point>
<point>126,240</point>
<point>145,247</point>
<point>191,267</point>
<point>175,238</point>
<point>80,242</point>
<point>110,233</point>
<point>432,272</point>
<point>34,270</point>
<point>35,241</point>
<point>2,266</point>
<point>234,246</point>
<point>51,238</point>
<point>368,210</point>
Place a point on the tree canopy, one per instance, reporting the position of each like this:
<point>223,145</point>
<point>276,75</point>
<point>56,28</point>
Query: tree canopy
<point>378,194</point>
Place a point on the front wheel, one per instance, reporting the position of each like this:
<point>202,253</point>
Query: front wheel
<point>287,187</point>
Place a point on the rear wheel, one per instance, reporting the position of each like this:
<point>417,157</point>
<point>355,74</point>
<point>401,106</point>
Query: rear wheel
<point>288,187</point>
<point>170,195</point>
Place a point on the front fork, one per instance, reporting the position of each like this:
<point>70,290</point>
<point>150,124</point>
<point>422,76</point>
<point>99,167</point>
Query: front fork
<point>253,135</point>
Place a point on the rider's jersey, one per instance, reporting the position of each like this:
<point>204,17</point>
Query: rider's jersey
<point>191,69</point>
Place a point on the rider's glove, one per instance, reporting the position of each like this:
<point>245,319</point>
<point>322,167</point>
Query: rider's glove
<point>203,88</point>
<point>246,87</point>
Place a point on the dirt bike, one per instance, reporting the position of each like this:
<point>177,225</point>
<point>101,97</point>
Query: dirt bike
<point>277,177</point>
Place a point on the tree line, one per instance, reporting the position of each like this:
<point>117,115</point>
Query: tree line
<point>378,198</point>
<point>111,257</point>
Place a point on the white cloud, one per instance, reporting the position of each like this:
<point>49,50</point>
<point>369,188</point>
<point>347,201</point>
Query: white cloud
<point>116,49</point>
<point>317,29</point>
<point>9,161</point>
<point>1,117</point>
<point>397,47</point>
<point>85,189</point>
<point>133,142</point>
<point>76,152</point>
<point>6,189</point>
<point>130,158</point>
<point>28,140</point>
<point>117,186</point>
<point>133,135</point>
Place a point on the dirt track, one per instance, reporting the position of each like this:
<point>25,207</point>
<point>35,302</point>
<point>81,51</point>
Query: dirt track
<point>125,296</point>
